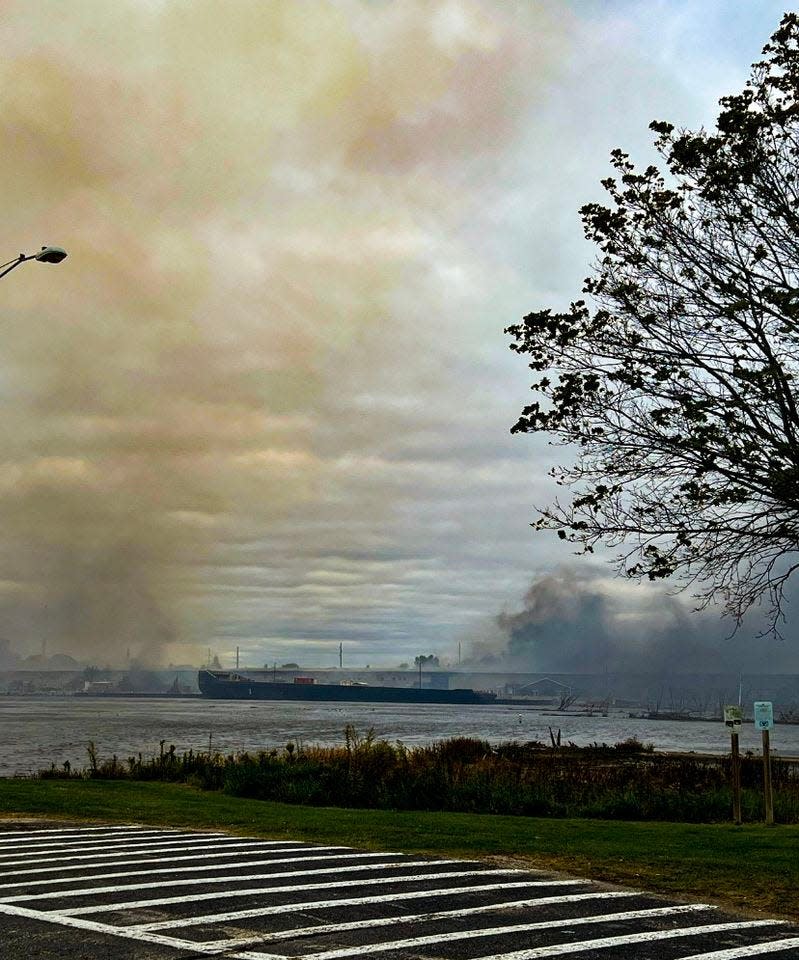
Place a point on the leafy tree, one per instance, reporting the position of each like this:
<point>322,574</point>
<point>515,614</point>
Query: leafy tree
<point>429,660</point>
<point>675,380</point>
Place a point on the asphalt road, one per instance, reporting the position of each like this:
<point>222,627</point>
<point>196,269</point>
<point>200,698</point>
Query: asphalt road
<point>70,892</point>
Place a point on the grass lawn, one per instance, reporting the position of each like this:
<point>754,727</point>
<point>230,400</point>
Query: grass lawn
<point>751,868</point>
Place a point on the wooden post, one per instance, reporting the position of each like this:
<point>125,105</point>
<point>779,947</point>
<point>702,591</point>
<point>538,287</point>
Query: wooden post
<point>736,778</point>
<point>767,792</point>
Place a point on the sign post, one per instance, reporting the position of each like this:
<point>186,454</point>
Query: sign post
<point>764,721</point>
<point>732,719</point>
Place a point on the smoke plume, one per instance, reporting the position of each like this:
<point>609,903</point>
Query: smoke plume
<point>243,189</point>
<point>584,621</point>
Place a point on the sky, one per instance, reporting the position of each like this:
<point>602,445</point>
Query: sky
<point>266,400</point>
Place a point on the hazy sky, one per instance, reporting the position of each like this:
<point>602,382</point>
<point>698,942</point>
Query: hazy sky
<point>266,400</point>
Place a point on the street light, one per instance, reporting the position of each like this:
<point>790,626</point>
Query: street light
<point>45,255</point>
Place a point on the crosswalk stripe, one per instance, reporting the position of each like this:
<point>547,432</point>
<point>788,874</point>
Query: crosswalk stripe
<point>603,943</point>
<point>750,950</point>
<point>16,839</point>
<point>147,856</point>
<point>265,911</point>
<point>251,848</point>
<point>10,835</point>
<point>93,926</point>
<point>200,881</point>
<point>509,929</point>
<point>405,918</point>
<point>232,845</point>
<point>11,847</point>
<point>40,850</point>
<point>292,888</point>
<point>197,869</point>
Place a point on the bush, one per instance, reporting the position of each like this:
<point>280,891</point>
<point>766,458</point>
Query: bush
<point>627,780</point>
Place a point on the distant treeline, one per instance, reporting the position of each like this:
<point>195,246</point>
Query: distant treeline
<point>625,781</point>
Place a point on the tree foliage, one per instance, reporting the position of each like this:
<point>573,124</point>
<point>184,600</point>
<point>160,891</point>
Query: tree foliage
<point>430,660</point>
<point>676,378</point>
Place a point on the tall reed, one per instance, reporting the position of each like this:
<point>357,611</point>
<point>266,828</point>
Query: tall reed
<point>622,781</point>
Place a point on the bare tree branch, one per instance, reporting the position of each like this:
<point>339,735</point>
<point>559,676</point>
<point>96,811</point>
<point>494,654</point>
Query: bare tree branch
<point>676,380</point>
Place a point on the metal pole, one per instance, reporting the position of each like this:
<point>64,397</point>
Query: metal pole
<point>736,779</point>
<point>20,259</point>
<point>767,791</point>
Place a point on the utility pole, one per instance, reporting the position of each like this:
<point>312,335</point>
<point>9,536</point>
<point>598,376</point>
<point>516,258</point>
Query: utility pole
<point>732,720</point>
<point>768,794</point>
<point>736,778</point>
<point>764,721</point>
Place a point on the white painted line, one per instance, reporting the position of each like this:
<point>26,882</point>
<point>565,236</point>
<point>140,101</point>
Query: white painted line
<point>41,849</point>
<point>143,936</point>
<point>237,865</point>
<point>18,838</point>
<point>128,934</point>
<point>292,888</point>
<point>751,950</point>
<point>10,849</point>
<point>201,881</point>
<point>266,911</point>
<point>71,831</point>
<point>229,845</point>
<point>557,924</point>
<point>325,928</point>
<point>254,848</point>
<point>560,949</point>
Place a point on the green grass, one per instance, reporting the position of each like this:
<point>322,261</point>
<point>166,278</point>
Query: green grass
<point>754,868</point>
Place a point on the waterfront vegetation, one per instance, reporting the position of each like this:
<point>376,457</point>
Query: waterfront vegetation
<point>753,867</point>
<point>625,781</point>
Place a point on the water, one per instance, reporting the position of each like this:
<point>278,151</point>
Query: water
<point>37,732</point>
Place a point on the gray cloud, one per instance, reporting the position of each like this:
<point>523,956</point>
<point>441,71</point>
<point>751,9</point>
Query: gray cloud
<point>266,400</point>
<point>580,620</point>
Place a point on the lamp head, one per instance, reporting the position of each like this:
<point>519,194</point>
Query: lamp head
<point>51,254</point>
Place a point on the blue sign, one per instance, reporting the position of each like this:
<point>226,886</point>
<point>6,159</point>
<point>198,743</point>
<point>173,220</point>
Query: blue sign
<point>764,715</point>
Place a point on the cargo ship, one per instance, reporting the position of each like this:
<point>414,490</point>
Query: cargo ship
<point>228,685</point>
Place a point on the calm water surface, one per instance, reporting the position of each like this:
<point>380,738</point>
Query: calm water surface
<point>36,732</point>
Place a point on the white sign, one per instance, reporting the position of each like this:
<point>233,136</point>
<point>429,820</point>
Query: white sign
<point>733,716</point>
<point>764,715</point>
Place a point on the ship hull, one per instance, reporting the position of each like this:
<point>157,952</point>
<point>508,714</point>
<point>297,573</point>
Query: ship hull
<point>224,686</point>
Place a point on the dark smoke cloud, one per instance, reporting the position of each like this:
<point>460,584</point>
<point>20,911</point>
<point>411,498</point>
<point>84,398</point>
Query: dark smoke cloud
<point>245,193</point>
<point>584,621</point>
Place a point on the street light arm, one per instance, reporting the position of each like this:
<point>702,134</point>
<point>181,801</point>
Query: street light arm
<point>15,263</point>
<point>45,255</point>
